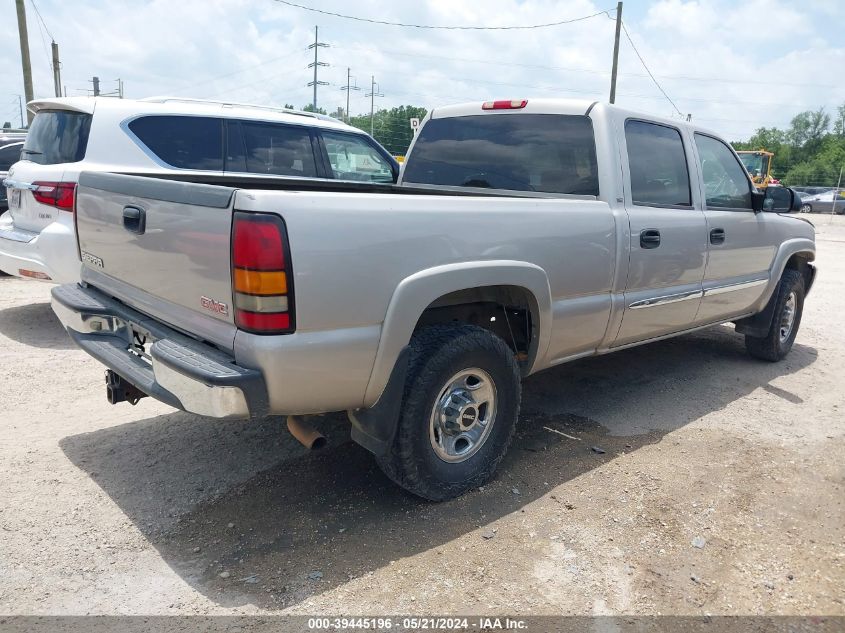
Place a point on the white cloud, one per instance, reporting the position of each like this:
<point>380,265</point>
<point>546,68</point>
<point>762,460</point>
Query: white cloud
<point>734,66</point>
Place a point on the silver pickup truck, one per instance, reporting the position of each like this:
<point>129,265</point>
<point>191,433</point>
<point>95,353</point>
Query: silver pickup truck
<point>522,234</point>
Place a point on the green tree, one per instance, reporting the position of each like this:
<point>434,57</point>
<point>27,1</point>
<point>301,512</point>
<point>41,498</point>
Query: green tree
<point>839,121</point>
<point>310,108</point>
<point>391,128</point>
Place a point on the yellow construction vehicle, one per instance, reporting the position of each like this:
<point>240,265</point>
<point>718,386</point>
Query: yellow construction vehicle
<point>759,166</point>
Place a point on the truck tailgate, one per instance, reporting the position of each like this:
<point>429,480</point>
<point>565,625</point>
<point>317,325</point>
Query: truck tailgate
<point>162,247</point>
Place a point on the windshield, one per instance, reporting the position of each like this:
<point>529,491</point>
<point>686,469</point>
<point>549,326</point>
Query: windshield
<point>754,163</point>
<point>521,152</point>
<point>57,136</point>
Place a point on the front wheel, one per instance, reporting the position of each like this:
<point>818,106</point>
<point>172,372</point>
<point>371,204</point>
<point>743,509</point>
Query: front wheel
<point>789,307</point>
<point>806,208</point>
<point>459,411</point>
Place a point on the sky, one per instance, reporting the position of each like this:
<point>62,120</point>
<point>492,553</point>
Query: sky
<point>734,66</point>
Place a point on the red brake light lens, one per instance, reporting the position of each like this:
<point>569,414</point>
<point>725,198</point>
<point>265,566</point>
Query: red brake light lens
<point>258,245</point>
<point>505,104</point>
<point>262,282</point>
<point>61,195</point>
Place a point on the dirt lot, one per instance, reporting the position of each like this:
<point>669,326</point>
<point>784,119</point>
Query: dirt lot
<point>719,489</point>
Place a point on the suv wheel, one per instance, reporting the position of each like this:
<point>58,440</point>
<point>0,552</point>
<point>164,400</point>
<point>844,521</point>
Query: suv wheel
<point>787,317</point>
<point>459,411</point>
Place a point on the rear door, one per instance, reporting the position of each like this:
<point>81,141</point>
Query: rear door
<point>162,247</point>
<point>57,137</point>
<point>667,230</point>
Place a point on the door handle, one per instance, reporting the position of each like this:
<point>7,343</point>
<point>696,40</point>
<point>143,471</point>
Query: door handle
<point>649,238</point>
<point>717,236</point>
<point>134,220</point>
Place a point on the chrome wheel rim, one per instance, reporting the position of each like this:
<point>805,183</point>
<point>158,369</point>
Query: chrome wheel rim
<point>463,415</point>
<point>805,208</point>
<point>787,319</point>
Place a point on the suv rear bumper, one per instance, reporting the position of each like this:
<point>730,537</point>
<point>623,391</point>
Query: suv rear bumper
<point>51,252</point>
<point>174,369</point>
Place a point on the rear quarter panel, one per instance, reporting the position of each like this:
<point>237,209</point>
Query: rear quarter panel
<point>350,253</point>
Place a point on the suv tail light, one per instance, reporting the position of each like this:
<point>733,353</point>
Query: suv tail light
<point>261,274</point>
<point>56,194</point>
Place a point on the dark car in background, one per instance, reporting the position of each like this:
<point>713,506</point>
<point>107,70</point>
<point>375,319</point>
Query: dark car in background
<point>11,143</point>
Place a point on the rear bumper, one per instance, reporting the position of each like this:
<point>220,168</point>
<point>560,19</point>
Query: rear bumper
<point>51,252</point>
<point>180,371</point>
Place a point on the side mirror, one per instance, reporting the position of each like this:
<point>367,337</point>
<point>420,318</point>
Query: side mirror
<point>781,200</point>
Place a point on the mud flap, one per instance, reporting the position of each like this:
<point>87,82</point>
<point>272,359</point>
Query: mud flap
<point>759,324</point>
<point>375,428</point>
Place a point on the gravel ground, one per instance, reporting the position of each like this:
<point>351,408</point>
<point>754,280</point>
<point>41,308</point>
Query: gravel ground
<point>677,478</point>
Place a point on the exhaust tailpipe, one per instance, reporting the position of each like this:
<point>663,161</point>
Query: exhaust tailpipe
<point>306,434</point>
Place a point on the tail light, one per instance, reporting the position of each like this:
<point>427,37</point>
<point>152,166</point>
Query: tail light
<point>56,194</point>
<point>506,104</point>
<point>261,274</point>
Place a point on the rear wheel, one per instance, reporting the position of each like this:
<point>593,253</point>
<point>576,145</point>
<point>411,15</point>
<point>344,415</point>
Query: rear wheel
<point>787,317</point>
<point>459,411</point>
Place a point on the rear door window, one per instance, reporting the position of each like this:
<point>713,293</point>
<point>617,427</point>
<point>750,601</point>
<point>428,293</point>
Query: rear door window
<point>9,155</point>
<point>57,136</point>
<point>521,152</point>
<point>658,165</point>
<point>184,142</point>
<point>353,158</point>
<point>278,149</point>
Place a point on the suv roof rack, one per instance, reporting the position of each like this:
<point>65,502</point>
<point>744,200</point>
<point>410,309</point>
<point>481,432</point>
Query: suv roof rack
<point>235,104</point>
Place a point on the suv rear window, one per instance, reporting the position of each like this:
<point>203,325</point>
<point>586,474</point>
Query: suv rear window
<point>184,142</point>
<point>57,136</point>
<point>552,153</point>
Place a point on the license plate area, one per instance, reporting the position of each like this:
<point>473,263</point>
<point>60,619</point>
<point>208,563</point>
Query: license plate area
<point>138,340</point>
<point>14,198</point>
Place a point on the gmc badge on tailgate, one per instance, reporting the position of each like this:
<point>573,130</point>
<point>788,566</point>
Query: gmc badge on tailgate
<point>215,306</point>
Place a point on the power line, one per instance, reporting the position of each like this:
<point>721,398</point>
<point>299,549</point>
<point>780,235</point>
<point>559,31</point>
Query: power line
<point>38,13</point>
<point>440,27</point>
<point>659,87</point>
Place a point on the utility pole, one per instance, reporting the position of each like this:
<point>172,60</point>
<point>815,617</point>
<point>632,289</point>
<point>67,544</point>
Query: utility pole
<point>96,82</point>
<point>120,88</point>
<point>20,104</point>
<point>57,73</point>
<point>315,65</point>
<point>372,94</point>
<point>27,68</point>
<point>348,88</point>
<point>616,53</point>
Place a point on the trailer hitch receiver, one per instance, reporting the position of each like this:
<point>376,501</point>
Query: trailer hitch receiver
<point>119,390</point>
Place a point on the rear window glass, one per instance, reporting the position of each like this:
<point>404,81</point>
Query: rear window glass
<point>278,149</point>
<point>550,153</point>
<point>184,142</point>
<point>57,136</point>
<point>659,174</point>
<point>9,155</point>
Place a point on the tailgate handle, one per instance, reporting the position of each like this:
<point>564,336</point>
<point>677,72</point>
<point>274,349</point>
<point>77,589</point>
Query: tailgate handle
<point>134,220</point>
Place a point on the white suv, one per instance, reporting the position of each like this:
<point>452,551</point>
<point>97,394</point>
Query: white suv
<point>164,136</point>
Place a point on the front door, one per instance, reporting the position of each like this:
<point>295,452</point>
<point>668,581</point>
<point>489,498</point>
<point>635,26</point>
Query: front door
<point>741,243</point>
<point>667,231</point>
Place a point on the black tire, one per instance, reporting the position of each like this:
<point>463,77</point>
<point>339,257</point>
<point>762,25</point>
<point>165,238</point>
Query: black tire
<point>439,353</point>
<point>774,347</point>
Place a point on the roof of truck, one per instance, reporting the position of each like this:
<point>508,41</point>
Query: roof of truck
<point>557,106</point>
<point>187,106</point>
